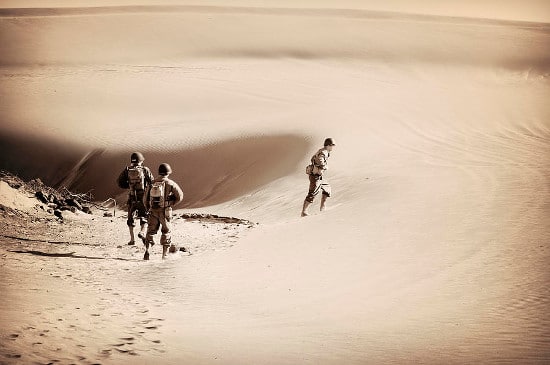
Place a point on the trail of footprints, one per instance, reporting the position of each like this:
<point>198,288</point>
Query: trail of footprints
<point>83,336</point>
<point>75,331</point>
<point>148,331</point>
<point>141,335</point>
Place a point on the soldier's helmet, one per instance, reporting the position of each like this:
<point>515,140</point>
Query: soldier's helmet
<point>165,169</point>
<point>137,157</point>
<point>329,142</point>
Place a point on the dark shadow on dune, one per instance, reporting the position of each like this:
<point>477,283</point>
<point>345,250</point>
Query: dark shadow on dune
<point>32,157</point>
<point>209,174</point>
<point>69,255</point>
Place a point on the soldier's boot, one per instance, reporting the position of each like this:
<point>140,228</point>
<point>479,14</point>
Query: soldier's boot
<point>132,241</point>
<point>142,232</point>
<point>146,254</point>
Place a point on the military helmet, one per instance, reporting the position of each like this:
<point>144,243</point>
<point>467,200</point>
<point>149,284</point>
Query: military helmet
<point>329,142</point>
<point>164,169</point>
<point>137,157</point>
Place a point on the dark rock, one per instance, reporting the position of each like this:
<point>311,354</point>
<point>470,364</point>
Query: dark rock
<point>42,197</point>
<point>74,203</point>
<point>58,214</point>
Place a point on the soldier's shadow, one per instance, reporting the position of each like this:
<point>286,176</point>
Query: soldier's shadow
<point>71,255</point>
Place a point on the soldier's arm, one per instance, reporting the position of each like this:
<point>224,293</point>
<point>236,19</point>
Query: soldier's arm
<point>122,180</point>
<point>148,176</point>
<point>323,161</point>
<point>146,198</point>
<point>178,193</point>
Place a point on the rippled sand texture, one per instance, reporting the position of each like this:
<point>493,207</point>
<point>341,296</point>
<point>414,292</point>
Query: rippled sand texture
<point>435,246</point>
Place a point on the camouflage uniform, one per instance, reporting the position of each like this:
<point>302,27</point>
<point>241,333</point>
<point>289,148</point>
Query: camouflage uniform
<point>135,197</point>
<point>162,217</point>
<point>316,182</point>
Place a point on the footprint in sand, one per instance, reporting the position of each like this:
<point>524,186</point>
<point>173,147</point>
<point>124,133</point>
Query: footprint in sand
<point>129,352</point>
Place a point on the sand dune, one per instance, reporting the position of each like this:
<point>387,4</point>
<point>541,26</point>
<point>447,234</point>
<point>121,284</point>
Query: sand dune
<point>434,248</point>
<point>171,33</point>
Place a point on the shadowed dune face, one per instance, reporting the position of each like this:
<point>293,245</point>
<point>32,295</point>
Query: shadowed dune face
<point>33,157</point>
<point>208,175</point>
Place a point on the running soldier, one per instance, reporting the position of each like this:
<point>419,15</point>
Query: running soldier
<point>315,171</point>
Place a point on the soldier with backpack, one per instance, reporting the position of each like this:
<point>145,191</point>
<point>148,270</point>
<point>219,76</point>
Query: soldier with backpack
<point>159,199</point>
<point>319,164</point>
<point>136,178</point>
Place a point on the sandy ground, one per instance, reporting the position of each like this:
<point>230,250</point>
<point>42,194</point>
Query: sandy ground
<point>434,248</point>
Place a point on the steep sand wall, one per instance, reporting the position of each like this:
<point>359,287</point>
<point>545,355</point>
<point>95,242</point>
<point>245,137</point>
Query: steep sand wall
<point>210,174</point>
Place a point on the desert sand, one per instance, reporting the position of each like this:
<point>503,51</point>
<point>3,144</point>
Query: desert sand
<point>435,246</point>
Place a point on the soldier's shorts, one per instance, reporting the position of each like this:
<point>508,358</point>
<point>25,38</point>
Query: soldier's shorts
<point>317,184</point>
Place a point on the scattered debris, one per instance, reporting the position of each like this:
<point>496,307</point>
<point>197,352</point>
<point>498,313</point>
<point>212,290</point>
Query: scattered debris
<point>46,222</point>
<point>55,200</point>
<point>213,218</point>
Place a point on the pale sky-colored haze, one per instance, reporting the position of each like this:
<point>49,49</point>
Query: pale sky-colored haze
<point>524,10</point>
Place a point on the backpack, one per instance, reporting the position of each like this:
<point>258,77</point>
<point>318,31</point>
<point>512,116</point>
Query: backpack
<point>312,168</point>
<point>136,178</point>
<point>156,195</point>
